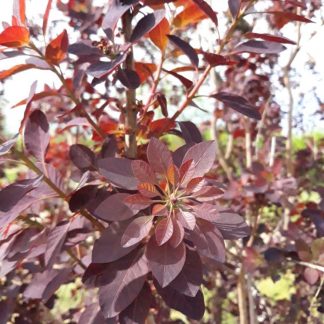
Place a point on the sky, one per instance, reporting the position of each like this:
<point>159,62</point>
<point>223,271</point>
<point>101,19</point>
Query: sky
<point>17,88</point>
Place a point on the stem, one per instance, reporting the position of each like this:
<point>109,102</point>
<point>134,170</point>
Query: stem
<point>131,111</point>
<point>242,297</point>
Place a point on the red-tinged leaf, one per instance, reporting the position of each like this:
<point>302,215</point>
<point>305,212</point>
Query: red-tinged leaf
<point>185,48</point>
<point>124,281</point>
<point>55,241</point>
<point>195,184</point>
<point>144,70</point>
<point>190,15</point>
<point>146,24</point>
<point>158,34</point>
<point>173,174</point>
<point>158,155</point>
<point>14,36</point>
<point>234,7</point>
<point>187,219</point>
<point>108,247</point>
<point>207,9</point>
<point>56,50</point>
<point>164,230</point>
<point>186,171</point>
<point>46,15</point>
<point>238,103</point>
<point>102,69</point>
<point>216,59</point>
<point>186,82</point>
<point>159,210</point>
<point>138,311</point>
<point>119,172</point>
<point>209,241</point>
<point>259,47</point>
<point>270,38</point>
<point>284,17</point>
<point>44,284</point>
<point>114,208</point>
<point>137,201</point>
<point>148,190</point>
<point>208,193</point>
<point>190,278</point>
<point>19,11</point>
<point>82,157</point>
<point>37,96</point>
<point>137,230</point>
<point>161,99</point>
<point>203,155</point>
<point>207,212</point>
<point>165,261</point>
<point>232,226</point>
<point>81,198</point>
<point>36,135</point>
<point>190,132</point>
<point>143,171</point>
<point>160,126</point>
<point>15,69</point>
<point>192,307</point>
<point>311,275</point>
<point>178,233</point>
<point>12,194</point>
<point>7,145</point>
<point>128,78</point>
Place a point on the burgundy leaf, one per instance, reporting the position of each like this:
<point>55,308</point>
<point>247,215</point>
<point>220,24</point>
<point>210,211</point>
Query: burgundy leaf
<point>44,284</point>
<point>206,211</point>
<point>108,247</point>
<point>238,103</point>
<point>137,312</point>
<point>216,59</point>
<point>190,132</point>
<point>113,208</point>
<point>158,155</point>
<point>203,155</point>
<point>185,48</point>
<point>82,157</point>
<point>55,241</point>
<point>286,17</point>
<point>125,280</point>
<point>119,172</point>
<point>195,184</point>
<point>138,229</point>
<point>128,78</point>
<point>193,307</point>
<point>81,198</point>
<point>160,97</point>
<point>209,241</point>
<point>164,230</point>
<point>270,38</point>
<point>146,24</point>
<point>232,226</point>
<point>208,193</point>
<point>259,47</point>
<point>109,147</point>
<point>186,82</point>
<point>165,261</point>
<point>190,278</point>
<point>187,219</point>
<point>148,190</point>
<point>207,9</point>
<point>178,233</point>
<point>6,146</point>
<point>36,136</point>
<point>84,48</point>
<point>137,202</point>
<point>234,7</point>
<point>143,171</point>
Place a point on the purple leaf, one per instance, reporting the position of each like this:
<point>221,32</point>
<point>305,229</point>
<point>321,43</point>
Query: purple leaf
<point>84,48</point>
<point>146,24</point>
<point>108,247</point>
<point>128,78</point>
<point>207,9</point>
<point>113,208</point>
<point>203,155</point>
<point>165,261</point>
<point>158,155</point>
<point>187,219</point>
<point>259,47</point>
<point>207,212</point>
<point>234,7</point>
<point>209,241</point>
<point>164,230</point>
<point>143,171</point>
<point>109,147</point>
<point>81,198</point>
<point>124,280</point>
<point>238,103</point>
<point>178,233</point>
<point>193,307</point>
<point>190,278</point>
<point>190,132</point>
<point>119,172</point>
<point>82,157</point>
<point>185,48</point>
<point>232,226</point>
<point>6,146</point>
<point>92,315</point>
<point>270,38</point>
<point>138,229</point>
<point>137,202</point>
<point>44,285</point>
<point>36,136</point>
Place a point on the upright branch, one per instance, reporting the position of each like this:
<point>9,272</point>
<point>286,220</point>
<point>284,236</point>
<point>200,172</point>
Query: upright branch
<point>131,112</point>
